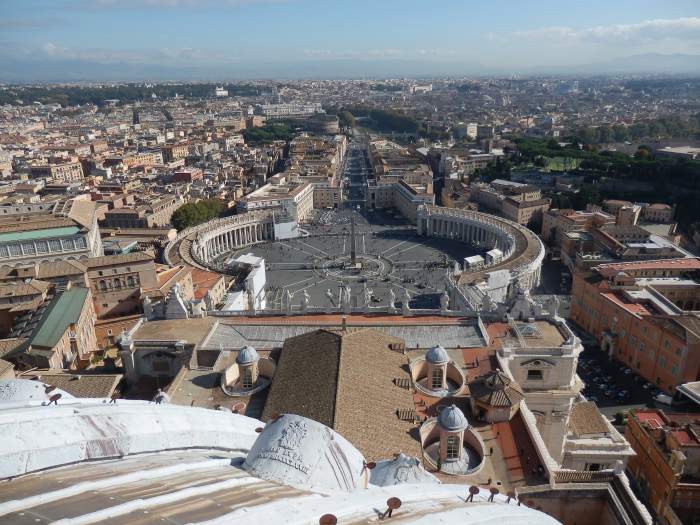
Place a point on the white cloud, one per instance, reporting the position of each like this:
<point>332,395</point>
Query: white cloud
<point>687,28</point>
<point>134,56</point>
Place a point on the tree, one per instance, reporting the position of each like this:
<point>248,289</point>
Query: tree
<point>643,153</point>
<point>347,119</point>
<point>194,213</point>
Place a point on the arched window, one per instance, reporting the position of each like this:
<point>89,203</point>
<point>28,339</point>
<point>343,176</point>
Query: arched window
<point>117,284</point>
<point>452,449</point>
<point>437,378</point>
<point>130,281</point>
<point>103,285</point>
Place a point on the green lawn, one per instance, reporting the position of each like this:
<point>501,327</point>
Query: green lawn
<point>562,163</point>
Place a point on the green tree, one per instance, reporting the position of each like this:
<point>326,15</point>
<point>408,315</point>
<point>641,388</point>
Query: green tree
<point>194,213</point>
<point>346,119</point>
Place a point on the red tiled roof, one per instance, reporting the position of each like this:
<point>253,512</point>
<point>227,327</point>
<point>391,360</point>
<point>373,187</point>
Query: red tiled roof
<point>608,270</point>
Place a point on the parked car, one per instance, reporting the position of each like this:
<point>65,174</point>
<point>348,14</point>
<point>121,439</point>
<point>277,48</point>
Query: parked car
<point>664,399</point>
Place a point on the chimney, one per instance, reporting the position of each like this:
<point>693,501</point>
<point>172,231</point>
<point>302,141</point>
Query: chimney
<point>344,325</point>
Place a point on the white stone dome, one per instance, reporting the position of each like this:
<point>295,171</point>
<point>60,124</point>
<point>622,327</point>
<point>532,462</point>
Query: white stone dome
<point>247,355</point>
<point>437,355</point>
<point>18,390</point>
<point>400,470</point>
<point>306,454</point>
<point>452,419</point>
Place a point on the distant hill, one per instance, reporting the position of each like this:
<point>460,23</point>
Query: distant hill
<point>653,63</point>
<point>44,70</point>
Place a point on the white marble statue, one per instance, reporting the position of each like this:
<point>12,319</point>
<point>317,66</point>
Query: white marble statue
<point>305,301</point>
<point>554,305</point>
<point>147,308</point>
<point>444,301</point>
<point>406,306</point>
<point>392,299</point>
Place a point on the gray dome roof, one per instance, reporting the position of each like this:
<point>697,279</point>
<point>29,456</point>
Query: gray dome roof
<point>452,419</point>
<point>247,355</point>
<point>437,355</point>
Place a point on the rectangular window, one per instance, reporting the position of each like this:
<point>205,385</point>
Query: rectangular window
<point>247,379</point>
<point>42,246</point>
<point>15,250</point>
<point>436,381</point>
<point>452,449</point>
<point>535,375</point>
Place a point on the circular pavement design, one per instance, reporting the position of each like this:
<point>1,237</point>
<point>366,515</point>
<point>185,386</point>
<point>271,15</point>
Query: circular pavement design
<point>390,256</point>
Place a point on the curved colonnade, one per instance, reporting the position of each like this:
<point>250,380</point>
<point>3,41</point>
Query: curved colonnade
<point>523,251</point>
<point>204,242</point>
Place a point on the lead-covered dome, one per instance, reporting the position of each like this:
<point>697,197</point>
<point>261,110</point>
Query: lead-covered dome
<point>452,419</point>
<point>437,355</point>
<point>247,356</point>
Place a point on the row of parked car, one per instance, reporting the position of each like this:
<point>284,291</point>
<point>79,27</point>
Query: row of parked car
<point>615,387</point>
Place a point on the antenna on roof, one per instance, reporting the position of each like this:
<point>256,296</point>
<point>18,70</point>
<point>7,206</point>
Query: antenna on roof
<point>328,519</point>
<point>493,491</point>
<point>473,491</point>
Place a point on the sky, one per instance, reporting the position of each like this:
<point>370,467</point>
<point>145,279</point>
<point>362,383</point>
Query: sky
<point>287,38</point>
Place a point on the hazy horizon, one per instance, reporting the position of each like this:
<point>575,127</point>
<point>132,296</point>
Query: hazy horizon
<point>73,40</point>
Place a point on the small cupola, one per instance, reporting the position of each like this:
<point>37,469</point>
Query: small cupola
<point>247,361</point>
<point>437,360</point>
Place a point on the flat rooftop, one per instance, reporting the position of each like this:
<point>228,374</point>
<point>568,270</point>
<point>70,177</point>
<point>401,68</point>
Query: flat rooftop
<point>417,332</point>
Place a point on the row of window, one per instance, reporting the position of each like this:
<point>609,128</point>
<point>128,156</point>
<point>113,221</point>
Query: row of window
<point>40,247</point>
<point>117,284</point>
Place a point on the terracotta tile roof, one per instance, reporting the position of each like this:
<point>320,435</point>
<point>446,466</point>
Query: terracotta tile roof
<point>13,289</point>
<point>8,346</point>
<point>346,381</point>
<point>496,390</point>
<point>585,419</point>
<point>306,377</point>
<point>83,385</point>
<point>608,270</point>
<point>5,367</point>
<point>123,258</point>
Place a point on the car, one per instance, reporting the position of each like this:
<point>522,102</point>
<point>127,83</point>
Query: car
<point>608,378</point>
<point>627,371</point>
<point>647,386</point>
<point>663,399</point>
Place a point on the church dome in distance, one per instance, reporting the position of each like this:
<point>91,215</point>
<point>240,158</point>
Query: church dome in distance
<point>437,355</point>
<point>247,355</point>
<point>452,419</point>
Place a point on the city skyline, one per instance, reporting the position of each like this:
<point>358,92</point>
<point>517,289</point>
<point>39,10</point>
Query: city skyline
<point>232,39</point>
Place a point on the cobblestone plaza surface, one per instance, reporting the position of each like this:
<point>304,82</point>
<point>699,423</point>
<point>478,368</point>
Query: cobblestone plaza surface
<point>390,255</point>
